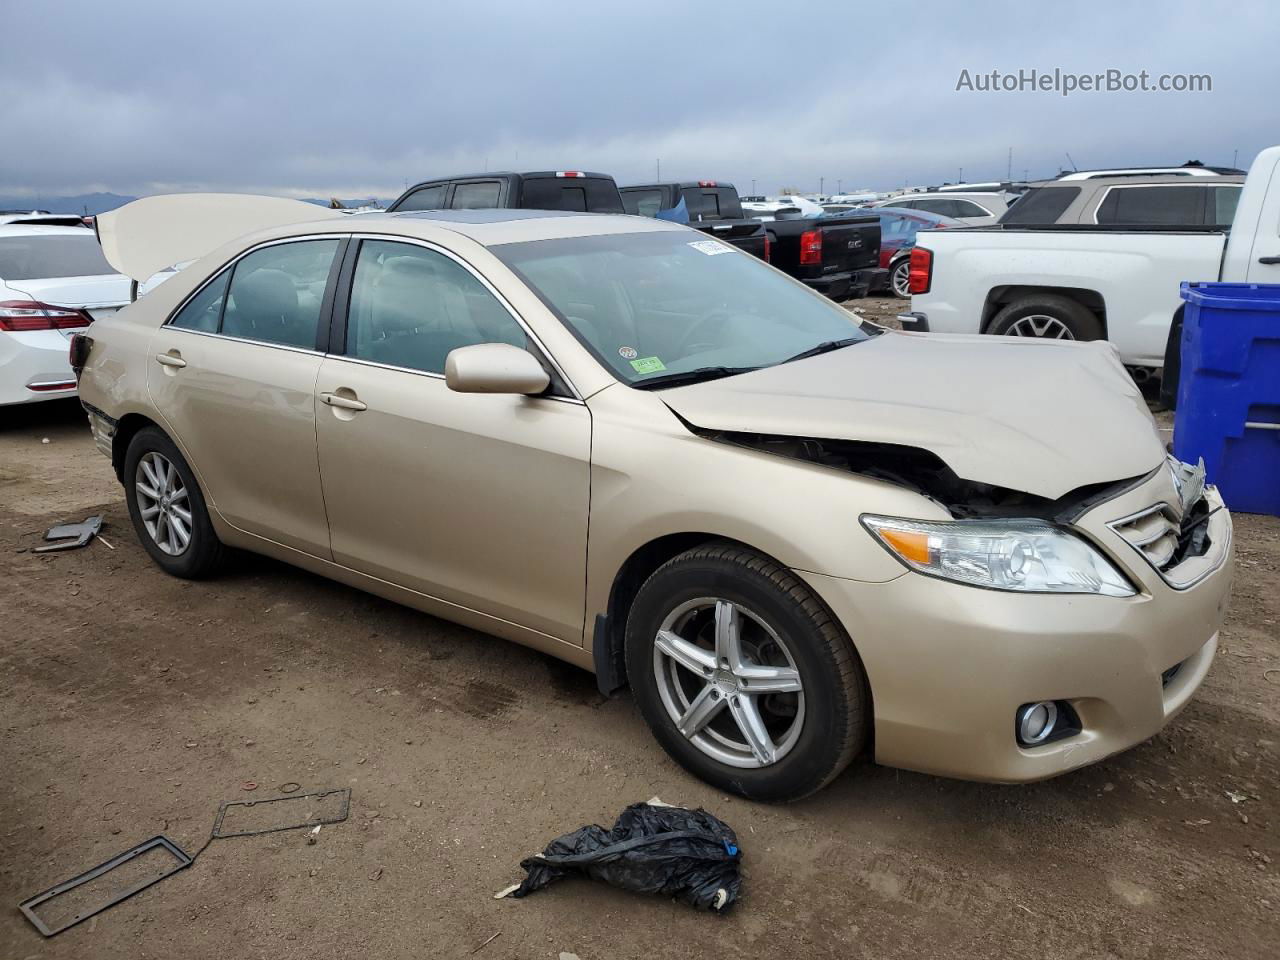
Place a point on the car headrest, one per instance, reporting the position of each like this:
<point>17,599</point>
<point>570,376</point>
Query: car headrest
<point>265,294</point>
<point>403,296</point>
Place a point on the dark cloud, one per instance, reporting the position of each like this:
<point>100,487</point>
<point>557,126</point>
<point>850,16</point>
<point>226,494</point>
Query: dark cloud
<point>355,99</point>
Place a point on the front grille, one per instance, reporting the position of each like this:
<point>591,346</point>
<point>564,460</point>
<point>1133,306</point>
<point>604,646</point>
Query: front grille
<point>1158,535</point>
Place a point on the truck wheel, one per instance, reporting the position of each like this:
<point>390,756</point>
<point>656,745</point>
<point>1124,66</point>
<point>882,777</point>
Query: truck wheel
<point>1048,317</point>
<point>899,279</point>
<point>743,676</point>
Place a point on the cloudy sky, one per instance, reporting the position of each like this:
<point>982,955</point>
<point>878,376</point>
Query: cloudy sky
<point>355,99</point>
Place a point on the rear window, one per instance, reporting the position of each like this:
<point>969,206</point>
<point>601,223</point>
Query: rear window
<point>571,193</point>
<point>1172,206</point>
<point>1040,205</point>
<point>40,257</point>
<point>1221,209</point>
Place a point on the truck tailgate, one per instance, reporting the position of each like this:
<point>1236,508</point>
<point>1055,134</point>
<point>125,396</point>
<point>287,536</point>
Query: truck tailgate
<point>850,243</point>
<point>748,235</point>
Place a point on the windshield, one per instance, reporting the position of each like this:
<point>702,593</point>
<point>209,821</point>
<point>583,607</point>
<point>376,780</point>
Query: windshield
<point>44,256</point>
<point>650,305</point>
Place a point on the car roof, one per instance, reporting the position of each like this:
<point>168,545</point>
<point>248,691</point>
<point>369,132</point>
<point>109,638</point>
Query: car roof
<point>1136,180</point>
<point>489,227</point>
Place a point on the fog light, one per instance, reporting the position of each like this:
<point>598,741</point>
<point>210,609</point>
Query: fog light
<point>1036,722</point>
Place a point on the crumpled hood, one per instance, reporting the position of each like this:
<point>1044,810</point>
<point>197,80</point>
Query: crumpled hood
<point>1036,416</point>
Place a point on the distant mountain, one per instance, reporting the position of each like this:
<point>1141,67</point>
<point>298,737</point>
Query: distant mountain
<point>89,204</point>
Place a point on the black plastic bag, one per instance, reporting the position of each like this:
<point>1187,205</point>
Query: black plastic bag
<point>686,854</point>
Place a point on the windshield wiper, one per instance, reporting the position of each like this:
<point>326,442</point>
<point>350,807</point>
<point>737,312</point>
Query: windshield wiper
<point>700,375</point>
<point>825,347</point>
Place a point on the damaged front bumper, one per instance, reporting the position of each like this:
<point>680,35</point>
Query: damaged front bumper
<point>949,665</point>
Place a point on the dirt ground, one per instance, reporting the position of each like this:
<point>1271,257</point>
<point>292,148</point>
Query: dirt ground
<point>134,704</point>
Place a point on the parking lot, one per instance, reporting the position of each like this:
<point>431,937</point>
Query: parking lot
<point>135,703</point>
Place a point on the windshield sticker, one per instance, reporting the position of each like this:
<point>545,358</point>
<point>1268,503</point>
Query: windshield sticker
<point>628,353</point>
<point>710,247</point>
<point>648,365</point>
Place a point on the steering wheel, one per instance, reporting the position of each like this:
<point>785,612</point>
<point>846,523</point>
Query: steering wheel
<point>689,345</point>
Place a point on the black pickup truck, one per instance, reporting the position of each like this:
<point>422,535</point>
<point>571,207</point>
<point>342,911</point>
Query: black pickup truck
<point>544,190</point>
<point>838,255</point>
<point>706,205</point>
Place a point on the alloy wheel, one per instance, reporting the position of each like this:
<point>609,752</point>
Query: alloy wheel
<point>1040,325</point>
<point>901,279</point>
<point>163,504</point>
<point>728,682</point>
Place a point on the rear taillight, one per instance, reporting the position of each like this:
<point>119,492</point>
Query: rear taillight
<point>768,248</point>
<point>706,183</point>
<point>920,270</point>
<point>570,173</point>
<point>81,344</point>
<point>811,247</point>
<point>19,316</point>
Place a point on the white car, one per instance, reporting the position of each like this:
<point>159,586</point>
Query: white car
<point>975,209</point>
<point>54,281</point>
<point>1114,281</point>
<point>766,209</point>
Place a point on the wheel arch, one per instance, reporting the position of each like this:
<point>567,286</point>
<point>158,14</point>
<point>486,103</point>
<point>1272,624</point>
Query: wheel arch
<point>1000,297</point>
<point>128,428</point>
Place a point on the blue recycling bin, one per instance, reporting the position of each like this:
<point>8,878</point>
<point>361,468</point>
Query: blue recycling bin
<point>1228,408</point>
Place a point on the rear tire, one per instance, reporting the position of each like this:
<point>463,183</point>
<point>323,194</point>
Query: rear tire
<point>810,716</point>
<point>899,277</point>
<point>1047,316</point>
<point>168,509</point>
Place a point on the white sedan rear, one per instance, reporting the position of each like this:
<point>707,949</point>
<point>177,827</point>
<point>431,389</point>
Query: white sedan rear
<point>54,281</point>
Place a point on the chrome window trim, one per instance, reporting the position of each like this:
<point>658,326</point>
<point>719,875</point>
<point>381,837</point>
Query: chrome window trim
<point>484,281</point>
<point>173,314</point>
<point>393,238</point>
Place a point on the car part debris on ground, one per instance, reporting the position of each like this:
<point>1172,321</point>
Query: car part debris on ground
<point>689,855</point>
<point>179,859</point>
<point>71,536</point>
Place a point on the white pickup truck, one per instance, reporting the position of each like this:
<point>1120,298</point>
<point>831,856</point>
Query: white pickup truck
<point>1090,282</point>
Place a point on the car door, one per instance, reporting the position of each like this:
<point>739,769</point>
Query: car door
<point>479,500</point>
<point>233,375</point>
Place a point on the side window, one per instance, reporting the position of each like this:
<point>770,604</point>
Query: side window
<point>476,196</point>
<point>967,208</point>
<point>1174,205</point>
<point>428,198</point>
<point>1221,209</point>
<point>410,306</point>
<point>276,293</point>
<point>204,310</point>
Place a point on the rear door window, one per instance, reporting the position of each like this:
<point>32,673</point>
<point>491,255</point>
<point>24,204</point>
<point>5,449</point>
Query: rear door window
<point>644,203</point>
<point>482,195</point>
<point>967,208</point>
<point>1040,206</point>
<point>1173,205</point>
<point>276,293</point>
<point>203,312</point>
<point>433,197</point>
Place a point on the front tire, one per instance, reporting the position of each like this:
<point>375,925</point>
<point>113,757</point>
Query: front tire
<point>743,676</point>
<point>1047,316</point>
<point>167,508</point>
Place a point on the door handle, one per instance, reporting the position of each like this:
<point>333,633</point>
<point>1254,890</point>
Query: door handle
<point>343,403</point>
<point>170,360</point>
<point>1269,261</point>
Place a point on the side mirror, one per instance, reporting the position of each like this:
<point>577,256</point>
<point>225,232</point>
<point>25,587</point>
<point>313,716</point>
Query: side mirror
<point>494,368</point>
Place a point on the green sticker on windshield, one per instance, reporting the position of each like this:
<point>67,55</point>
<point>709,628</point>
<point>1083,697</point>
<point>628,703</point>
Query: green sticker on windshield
<point>648,365</point>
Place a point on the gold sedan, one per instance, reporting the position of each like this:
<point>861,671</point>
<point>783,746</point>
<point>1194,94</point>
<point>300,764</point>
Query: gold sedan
<point>791,533</point>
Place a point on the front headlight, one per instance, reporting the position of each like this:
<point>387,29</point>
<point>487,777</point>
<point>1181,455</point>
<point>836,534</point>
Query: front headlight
<point>1025,555</point>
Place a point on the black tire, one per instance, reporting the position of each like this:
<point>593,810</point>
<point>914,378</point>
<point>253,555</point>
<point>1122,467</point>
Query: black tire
<point>205,553</point>
<point>902,267</point>
<point>1079,320</point>
<point>836,697</point>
